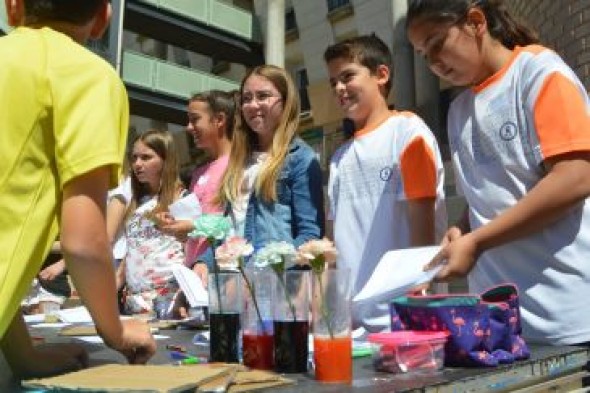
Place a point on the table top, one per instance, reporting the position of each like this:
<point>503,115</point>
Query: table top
<point>546,362</point>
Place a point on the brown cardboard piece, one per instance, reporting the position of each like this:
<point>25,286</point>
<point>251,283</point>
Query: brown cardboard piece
<point>129,378</point>
<point>244,381</point>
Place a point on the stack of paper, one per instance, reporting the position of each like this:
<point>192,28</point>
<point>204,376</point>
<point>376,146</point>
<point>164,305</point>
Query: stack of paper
<point>75,315</point>
<point>191,285</point>
<point>397,272</point>
<point>187,208</point>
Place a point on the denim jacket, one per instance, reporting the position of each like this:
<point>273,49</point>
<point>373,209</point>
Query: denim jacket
<point>298,214</point>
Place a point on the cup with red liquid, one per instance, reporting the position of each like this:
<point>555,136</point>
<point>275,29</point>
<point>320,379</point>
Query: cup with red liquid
<point>257,326</point>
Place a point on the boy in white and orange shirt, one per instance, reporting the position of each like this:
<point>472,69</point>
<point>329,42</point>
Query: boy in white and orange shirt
<point>386,182</point>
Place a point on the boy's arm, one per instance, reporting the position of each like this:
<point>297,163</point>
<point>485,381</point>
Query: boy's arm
<point>419,177</point>
<point>421,216</point>
<point>87,251</point>
<point>28,361</point>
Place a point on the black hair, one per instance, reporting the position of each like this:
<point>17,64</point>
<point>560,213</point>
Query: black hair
<point>368,50</point>
<point>222,102</point>
<point>76,12</point>
<point>501,24</point>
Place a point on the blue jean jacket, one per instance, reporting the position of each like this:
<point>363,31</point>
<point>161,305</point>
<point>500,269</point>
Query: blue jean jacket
<point>298,214</point>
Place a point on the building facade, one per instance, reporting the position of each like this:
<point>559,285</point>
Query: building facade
<point>168,50</point>
<point>563,26</point>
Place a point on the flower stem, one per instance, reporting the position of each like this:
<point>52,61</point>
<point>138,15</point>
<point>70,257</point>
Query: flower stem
<point>281,279</point>
<point>211,242</point>
<point>323,308</point>
<point>253,296</point>
<point>216,271</point>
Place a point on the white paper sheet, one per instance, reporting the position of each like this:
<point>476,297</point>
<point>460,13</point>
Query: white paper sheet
<point>397,272</point>
<point>191,285</point>
<point>75,315</point>
<point>34,318</point>
<point>187,208</point>
<point>99,340</point>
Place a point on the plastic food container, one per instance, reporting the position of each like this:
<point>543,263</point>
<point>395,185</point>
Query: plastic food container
<point>408,351</point>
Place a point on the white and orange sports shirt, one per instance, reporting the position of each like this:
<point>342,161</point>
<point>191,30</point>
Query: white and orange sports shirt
<point>372,178</point>
<point>500,134</point>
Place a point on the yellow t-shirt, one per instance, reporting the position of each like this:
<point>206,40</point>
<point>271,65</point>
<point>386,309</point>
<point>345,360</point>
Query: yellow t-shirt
<point>63,112</point>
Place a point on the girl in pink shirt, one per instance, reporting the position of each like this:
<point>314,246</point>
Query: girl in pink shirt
<point>211,117</point>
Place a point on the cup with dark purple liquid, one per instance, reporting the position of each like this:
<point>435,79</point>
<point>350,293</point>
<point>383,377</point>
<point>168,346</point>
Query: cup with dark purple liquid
<point>291,321</point>
<point>225,306</point>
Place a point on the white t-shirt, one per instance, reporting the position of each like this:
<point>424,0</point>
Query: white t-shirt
<point>151,256</point>
<point>123,191</point>
<point>500,133</point>
<point>240,206</point>
<point>372,177</point>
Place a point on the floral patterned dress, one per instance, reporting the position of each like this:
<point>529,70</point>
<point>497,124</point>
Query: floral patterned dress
<point>151,255</point>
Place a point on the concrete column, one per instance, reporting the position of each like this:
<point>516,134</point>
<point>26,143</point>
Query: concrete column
<point>427,95</point>
<point>403,59</point>
<point>275,33</point>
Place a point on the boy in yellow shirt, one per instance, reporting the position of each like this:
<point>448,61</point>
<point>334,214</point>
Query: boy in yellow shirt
<point>64,124</point>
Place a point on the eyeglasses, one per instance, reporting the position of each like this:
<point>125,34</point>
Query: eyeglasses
<point>261,97</point>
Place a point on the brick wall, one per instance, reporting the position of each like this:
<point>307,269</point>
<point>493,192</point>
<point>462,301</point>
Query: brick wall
<point>563,25</point>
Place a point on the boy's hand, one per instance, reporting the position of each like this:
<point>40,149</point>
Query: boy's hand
<point>52,271</point>
<point>53,359</point>
<point>137,343</point>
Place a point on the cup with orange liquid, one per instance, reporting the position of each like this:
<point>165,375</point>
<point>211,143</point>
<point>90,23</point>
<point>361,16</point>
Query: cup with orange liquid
<point>332,341</point>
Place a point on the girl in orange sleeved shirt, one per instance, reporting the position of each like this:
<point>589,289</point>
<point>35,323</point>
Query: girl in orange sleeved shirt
<point>520,144</point>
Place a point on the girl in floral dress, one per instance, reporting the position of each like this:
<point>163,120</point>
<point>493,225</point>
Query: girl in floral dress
<point>151,254</point>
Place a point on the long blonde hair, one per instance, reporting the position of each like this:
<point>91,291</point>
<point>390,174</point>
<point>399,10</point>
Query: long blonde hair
<point>245,141</point>
<point>162,143</point>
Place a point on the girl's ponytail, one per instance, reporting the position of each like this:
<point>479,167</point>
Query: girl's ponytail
<point>504,27</point>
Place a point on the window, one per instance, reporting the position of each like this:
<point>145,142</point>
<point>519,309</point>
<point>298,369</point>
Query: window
<point>302,83</point>
<point>290,21</point>
<point>334,4</point>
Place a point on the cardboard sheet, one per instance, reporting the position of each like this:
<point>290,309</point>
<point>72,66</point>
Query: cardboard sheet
<point>129,378</point>
<point>245,381</point>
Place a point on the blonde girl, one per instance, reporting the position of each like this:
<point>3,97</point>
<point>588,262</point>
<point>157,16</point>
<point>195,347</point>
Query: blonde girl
<point>272,188</point>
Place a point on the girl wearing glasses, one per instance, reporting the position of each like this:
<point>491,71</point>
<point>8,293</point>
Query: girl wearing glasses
<point>520,144</point>
<point>272,188</point>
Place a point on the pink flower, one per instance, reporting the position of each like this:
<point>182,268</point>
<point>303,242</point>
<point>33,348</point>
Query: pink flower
<point>230,253</point>
<point>317,253</point>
